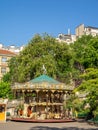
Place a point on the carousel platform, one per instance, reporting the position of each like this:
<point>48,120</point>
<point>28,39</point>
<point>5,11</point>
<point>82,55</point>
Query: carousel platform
<point>29,120</point>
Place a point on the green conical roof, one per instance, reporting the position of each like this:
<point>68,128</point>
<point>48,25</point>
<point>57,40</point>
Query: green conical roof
<point>44,78</point>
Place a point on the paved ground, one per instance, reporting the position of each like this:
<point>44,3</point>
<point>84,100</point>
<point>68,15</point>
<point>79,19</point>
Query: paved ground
<point>46,126</point>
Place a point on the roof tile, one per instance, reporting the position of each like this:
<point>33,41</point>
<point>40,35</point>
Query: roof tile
<point>6,52</point>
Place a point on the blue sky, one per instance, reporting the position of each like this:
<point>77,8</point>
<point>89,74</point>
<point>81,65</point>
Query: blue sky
<point>20,20</point>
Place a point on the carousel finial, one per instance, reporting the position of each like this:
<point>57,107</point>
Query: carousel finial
<point>44,69</point>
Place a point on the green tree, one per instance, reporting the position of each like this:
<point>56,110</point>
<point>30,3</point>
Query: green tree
<point>89,86</point>
<point>5,90</point>
<point>6,77</point>
<point>41,50</point>
<point>85,55</point>
<point>13,66</point>
<point>64,60</point>
<point>86,52</point>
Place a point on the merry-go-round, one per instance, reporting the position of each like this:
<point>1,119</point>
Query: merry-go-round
<point>43,100</point>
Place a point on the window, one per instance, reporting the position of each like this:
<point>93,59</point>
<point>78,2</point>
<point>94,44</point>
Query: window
<point>89,29</point>
<point>4,59</point>
<point>3,70</point>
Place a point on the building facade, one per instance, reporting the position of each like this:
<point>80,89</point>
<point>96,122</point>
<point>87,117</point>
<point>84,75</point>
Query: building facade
<point>12,48</point>
<point>79,32</point>
<point>86,30</point>
<point>67,38</point>
<point>5,55</point>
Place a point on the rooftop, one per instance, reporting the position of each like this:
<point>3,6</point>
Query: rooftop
<point>6,52</point>
<point>91,27</point>
<point>44,78</point>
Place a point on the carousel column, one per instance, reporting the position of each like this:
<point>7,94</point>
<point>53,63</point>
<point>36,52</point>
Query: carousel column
<point>52,100</point>
<point>23,95</point>
<point>18,94</point>
<point>61,106</point>
<point>14,93</point>
<point>58,97</point>
<point>37,100</point>
<point>65,98</point>
<point>30,100</point>
<point>47,103</point>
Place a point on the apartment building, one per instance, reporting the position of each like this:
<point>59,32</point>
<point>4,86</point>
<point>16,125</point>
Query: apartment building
<point>79,31</point>
<point>85,30</point>
<point>67,38</point>
<point>12,48</point>
<point>5,55</point>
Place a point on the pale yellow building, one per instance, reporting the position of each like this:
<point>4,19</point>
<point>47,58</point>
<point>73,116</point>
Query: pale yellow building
<point>5,55</point>
<point>86,30</point>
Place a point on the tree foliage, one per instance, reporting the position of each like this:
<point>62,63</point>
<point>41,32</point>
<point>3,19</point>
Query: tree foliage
<point>5,90</point>
<point>89,86</point>
<point>62,61</point>
<point>86,55</point>
<point>42,50</point>
<point>86,50</point>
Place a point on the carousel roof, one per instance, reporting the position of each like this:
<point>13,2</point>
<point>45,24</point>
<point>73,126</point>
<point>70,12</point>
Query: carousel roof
<point>44,78</point>
<point>43,82</point>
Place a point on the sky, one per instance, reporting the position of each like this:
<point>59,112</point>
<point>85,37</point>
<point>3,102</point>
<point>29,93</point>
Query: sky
<point>20,20</point>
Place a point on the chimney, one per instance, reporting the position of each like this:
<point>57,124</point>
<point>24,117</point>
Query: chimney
<point>68,31</point>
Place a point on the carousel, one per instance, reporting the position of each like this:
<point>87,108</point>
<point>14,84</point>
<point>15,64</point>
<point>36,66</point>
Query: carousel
<point>43,100</point>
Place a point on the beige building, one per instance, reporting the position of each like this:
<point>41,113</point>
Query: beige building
<point>5,55</point>
<point>79,31</point>
<point>67,38</point>
<point>12,48</point>
<point>86,30</point>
